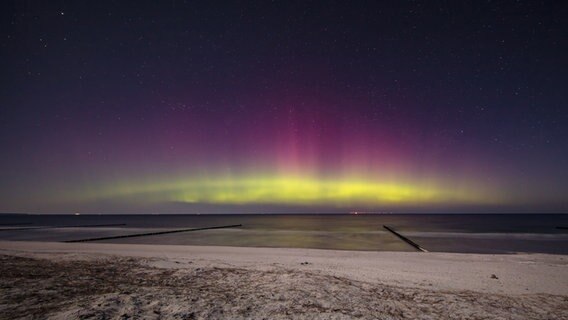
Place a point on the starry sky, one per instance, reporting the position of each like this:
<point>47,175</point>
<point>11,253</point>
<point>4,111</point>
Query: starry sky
<point>283,106</point>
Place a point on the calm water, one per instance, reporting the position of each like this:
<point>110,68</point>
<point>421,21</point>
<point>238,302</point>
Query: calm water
<point>482,233</point>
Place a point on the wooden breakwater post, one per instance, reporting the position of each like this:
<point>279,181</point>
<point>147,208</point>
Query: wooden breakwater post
<point>405,239</point>
<point>154,233</point>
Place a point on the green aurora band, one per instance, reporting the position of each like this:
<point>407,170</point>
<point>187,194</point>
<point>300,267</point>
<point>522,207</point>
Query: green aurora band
<point>289,189</point>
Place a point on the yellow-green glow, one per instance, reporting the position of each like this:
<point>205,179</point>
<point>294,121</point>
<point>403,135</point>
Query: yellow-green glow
<point>295,190</point>
<point>291,190</point>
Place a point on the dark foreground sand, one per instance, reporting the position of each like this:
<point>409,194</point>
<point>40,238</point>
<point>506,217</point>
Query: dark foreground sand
<point>102,281</point>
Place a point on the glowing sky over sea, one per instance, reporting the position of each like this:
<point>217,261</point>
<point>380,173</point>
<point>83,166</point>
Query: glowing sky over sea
<point>283,107</point>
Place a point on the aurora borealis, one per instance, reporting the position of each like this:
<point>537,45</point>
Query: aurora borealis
<point>186,107</point>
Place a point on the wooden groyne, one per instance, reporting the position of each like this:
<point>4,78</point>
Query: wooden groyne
<point>405,239</point>
<point>154,233</point>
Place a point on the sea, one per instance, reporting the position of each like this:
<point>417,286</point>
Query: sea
<point>465,233</point>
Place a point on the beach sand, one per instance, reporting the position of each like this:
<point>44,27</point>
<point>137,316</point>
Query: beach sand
<point>122,281</point>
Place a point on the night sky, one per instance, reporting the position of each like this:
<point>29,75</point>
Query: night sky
<point>284,106</point>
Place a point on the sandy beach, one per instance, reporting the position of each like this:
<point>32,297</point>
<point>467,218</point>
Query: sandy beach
<point>121,281</point>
